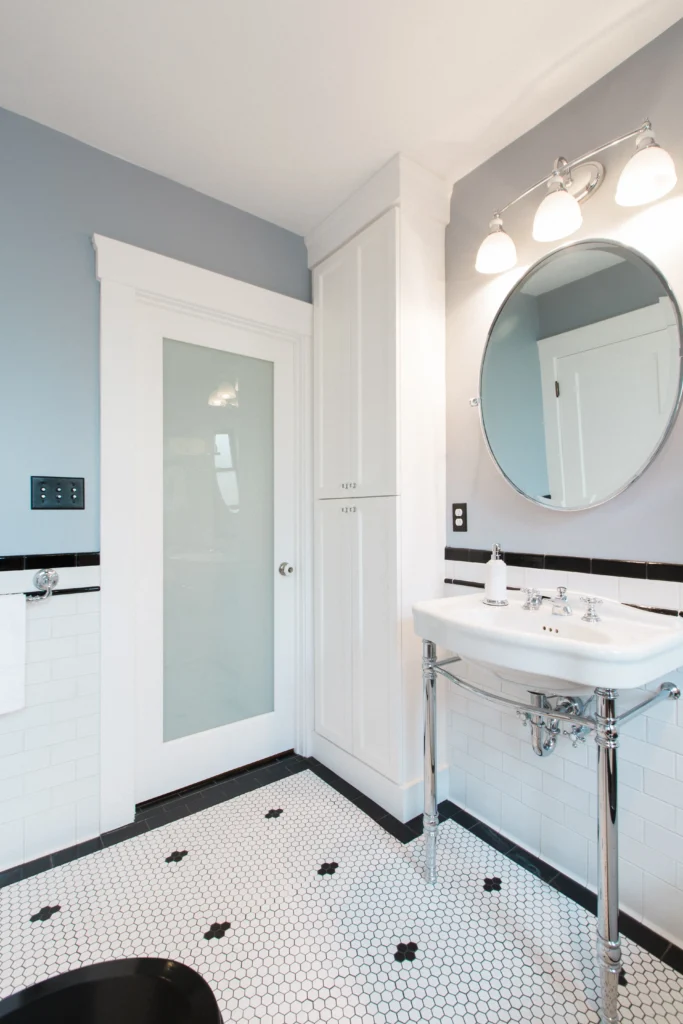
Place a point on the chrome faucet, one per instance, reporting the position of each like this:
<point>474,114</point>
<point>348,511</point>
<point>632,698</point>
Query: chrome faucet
<point>560,602</point>
<point>534,599</point>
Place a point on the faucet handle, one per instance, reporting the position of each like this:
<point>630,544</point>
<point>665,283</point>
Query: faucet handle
<point>562,592</point>
<point>591,613</point>
<point>533,598</point>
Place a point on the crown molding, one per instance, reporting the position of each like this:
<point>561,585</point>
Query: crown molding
<point>401,183</point>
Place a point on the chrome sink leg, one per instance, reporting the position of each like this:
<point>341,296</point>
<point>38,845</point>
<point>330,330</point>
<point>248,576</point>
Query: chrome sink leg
<point>431,814</point>
<point>608,944</point>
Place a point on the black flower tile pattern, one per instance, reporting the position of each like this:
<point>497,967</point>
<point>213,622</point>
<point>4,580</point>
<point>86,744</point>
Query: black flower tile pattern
<point>492,884</point>
<point>328,869</point>
<point>405,951</point>
<point>311,950</point>
<point>274,813</point>
<point>622,977</point>
<point>176,856</point>
<point>45,913</point>
<point>217,931</point>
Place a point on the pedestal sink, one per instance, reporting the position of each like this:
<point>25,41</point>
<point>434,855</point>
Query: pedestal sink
<point>618,648</point>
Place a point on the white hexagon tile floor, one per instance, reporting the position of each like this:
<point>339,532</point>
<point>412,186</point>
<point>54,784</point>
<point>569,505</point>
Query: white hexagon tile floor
<point>317,914</point>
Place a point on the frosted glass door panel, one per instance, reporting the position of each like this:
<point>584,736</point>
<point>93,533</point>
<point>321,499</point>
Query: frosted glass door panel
<point>218,538</point>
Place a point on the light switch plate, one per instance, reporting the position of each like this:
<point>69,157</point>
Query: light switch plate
<point>52,492</point>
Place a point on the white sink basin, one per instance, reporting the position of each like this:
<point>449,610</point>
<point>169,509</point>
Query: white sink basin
<point>627,648</point>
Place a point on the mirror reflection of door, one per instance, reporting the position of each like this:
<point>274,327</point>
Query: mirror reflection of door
<point>608,389</point>
<point>581,374</point>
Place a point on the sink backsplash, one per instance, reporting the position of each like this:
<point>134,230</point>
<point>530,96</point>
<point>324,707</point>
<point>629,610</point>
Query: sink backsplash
<point>657,585</point>
<point>549,805</point>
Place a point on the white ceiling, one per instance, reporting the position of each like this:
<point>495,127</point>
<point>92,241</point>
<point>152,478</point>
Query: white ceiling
<point>284,107</point>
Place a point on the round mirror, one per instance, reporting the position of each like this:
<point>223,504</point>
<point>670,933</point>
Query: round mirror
<point>581,375</point>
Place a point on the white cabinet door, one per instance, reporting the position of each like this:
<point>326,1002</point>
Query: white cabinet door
<point>335,564</point>
<point>355,302</point>
<point>333,284</point>
<point>377,666</point>
<point>358,689</point>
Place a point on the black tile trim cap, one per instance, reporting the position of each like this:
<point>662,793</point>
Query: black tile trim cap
<point>60,560</point>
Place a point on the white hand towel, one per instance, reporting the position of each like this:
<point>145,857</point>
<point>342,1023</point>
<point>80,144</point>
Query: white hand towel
<point>12,652</point>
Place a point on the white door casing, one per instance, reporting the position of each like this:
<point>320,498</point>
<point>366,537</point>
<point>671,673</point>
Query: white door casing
<point>145,297</point>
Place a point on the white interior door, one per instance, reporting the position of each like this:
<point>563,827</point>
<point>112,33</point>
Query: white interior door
<point>608,392</point>
<point>215,619</point>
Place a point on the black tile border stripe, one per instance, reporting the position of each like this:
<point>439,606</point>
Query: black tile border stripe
<point>182,803</point>
<point>60,560</point>
<point>668,571</point>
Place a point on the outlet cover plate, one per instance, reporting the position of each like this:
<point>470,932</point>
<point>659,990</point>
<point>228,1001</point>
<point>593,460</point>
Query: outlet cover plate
<point>460,517</point>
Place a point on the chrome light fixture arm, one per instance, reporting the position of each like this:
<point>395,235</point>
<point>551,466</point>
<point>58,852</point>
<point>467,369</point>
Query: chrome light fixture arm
<point>563,166</point>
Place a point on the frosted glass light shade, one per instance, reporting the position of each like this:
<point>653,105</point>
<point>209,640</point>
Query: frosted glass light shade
<point>649,175</point>
<point>497,252</point>
<point>557,216</point>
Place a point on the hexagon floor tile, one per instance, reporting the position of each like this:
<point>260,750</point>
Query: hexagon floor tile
<point>284,942</point>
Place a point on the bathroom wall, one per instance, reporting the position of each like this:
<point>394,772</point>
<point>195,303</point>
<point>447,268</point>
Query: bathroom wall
<point>549,805</point>
<point>644,522</point>
<point>55,193</point>
<point>49,750</point>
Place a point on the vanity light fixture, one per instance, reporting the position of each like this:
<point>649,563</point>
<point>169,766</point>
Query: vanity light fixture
<point>648,175</point>
<point>497,252</point>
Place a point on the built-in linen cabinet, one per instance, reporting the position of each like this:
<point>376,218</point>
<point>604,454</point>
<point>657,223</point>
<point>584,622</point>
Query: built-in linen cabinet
<point>355,299</point>
<point>379,450</point>
<point>357,616</point>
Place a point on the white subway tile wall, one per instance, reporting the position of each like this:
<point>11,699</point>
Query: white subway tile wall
<point>548,805</point>
<point>49,750</point>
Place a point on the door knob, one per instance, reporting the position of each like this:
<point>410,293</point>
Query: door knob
<point>286,569</point>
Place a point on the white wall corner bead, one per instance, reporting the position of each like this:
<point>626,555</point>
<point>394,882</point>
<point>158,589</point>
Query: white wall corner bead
<point>379,473</point>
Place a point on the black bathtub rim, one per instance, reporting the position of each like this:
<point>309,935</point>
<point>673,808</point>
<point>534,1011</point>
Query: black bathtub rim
<point>184,979</point>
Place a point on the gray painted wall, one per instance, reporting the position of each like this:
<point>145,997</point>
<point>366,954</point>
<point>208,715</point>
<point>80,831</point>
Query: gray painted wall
<point>55,193</point>
<point>645,521</point>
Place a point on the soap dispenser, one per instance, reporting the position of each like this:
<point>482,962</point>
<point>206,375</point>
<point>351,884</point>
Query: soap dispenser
<point>495,580</point>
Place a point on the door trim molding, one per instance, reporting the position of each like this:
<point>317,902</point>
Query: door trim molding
<point>130,277</point>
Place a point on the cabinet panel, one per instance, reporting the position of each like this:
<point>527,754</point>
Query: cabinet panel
<point>377,670</point>
<point>358,681</point>
<point>355,302</point>
<point>335,580</point>
<point>333,298</point>
<point>373,360</point>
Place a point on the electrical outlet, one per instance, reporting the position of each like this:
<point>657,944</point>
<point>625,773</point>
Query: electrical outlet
<point>52,492</point>
<point>460,517</point>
